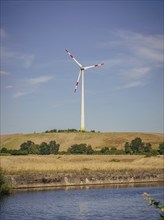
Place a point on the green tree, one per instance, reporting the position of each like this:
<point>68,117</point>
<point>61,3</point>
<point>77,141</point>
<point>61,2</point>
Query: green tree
<point>137,145</point>
<point>154,152</point>
<point>4,150</point>
<point>33,149</point>
<point>18,152</point>
<point>80,149</point>
<point>54,147</point>
<point>127,148</point>
<point>105,150</point>
<point>44,148</point>
<point>29,147</point>
<point>89,150</point>
<point>161,148</point>
<point>116,151</point>
<point>147,148</point>
<point>25,146</point>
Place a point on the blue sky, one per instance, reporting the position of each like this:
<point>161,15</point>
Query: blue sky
<point>38,77</point>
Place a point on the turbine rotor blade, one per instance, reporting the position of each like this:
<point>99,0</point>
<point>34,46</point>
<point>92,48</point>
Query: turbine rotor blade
<point>73,58</point>
<point>77,82</point>
<point>96,65</point>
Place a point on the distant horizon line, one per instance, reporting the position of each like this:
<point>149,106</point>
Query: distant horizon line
<point>78,131</point>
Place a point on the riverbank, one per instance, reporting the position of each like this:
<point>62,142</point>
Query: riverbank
<point>36,171</point>
<point>27,181</point>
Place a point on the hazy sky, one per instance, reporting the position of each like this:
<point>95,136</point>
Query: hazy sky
<point>38,77</point>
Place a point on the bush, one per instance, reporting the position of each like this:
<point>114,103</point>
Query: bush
<point>105,150</point>
<point>154,152</point>
<point>18,152</point>
<point>127,148</point>
<point>89,150</point>
<point>54,147</point>
<point>80,149</point>
<point>138,147</point>
<point>52,131</point>
<point>147,148</point>
<point>5,154</point>
<point>4,187</point>
<point>4,150</point>
<point>112,151</point>
<point>33,149</point>
<point>161,148</point>
<point>25,146</point>
<point>116,152</point>
<point>44,148</point>
<point>30,147</point>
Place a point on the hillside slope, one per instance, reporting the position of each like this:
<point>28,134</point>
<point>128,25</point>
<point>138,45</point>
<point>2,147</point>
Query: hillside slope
<point>96,140</point>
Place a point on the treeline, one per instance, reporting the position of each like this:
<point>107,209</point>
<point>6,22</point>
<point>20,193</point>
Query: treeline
<point>67,131</point>
<point>30,147</point>
<point>135,147</point>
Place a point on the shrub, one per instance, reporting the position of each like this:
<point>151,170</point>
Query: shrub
<point>105,150</point>
<point>147,148</point>
<point>4,187</point>
<point>138,147</point>
<point>44,148</point>
<point>116,152</point>
<point>18,152</point>
<point>154,152</point>
<point>4,150</point>
<point>127,148</point>
<point>25,146</point>
<point>80,149</point>
<point>54,147</point>
<point>161,148</point>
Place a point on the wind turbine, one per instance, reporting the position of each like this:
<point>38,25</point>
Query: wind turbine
<point>81,73</point>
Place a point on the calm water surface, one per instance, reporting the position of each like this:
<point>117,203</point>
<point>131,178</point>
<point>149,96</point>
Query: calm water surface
<point>81,204</point>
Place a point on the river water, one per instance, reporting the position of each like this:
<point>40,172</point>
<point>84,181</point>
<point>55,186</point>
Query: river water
<point>81,204</point>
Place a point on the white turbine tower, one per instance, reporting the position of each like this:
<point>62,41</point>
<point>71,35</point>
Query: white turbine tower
<point>81,73</point>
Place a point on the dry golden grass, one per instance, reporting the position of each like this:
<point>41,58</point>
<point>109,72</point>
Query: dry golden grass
<point>78,163</point>
<point>96,140</point>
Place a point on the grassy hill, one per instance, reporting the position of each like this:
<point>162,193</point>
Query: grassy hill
<point>96,140</point>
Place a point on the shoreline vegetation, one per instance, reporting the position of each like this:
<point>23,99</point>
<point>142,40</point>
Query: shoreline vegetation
<point>5,189</point>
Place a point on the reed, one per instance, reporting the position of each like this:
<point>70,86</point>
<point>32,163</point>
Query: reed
<point>78,163</point>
